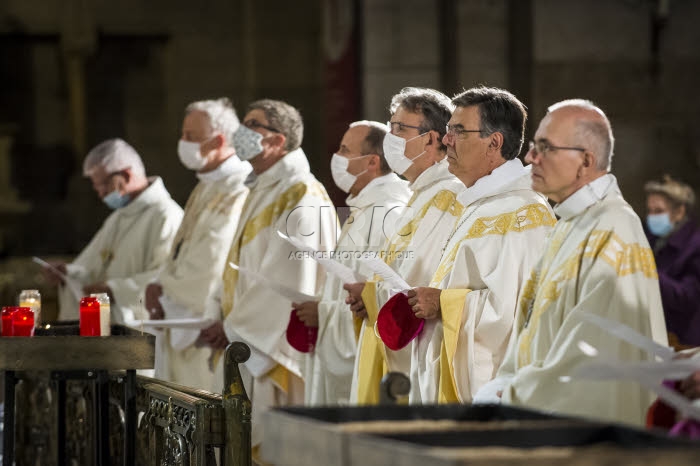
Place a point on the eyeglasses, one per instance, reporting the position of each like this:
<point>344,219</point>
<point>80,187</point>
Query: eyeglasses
<point>256,124</point>
<point>542,147</point>
<point>398,127</point>
<point>459,131</point>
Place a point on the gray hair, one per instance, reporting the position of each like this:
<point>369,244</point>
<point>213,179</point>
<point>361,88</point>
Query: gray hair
<point>284,118</point>
<point>499,111</point>
<point>374,142</point>
<point>222,116</point>
<point>435,107</point>
<point>677,192</point>
<point>597,134</point>
<point>114,155</point>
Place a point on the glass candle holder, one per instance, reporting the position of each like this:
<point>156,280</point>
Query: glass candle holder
<point>23,322</point>
<point>7,312</point>
<point>89,317</point>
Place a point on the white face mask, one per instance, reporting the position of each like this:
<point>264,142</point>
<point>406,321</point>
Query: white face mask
<point>247,143</point>
<point>339,169</point>
<point>190,156</point>
<point>395,152</point>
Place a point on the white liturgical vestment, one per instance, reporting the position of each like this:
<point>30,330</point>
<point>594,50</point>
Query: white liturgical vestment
<point>486,261</point>
<point>194,268</point>
<point>127,252</point>
<point>286,198</point>
<point>597,260</point>
<point>414,253</point>
<point>373,216</point>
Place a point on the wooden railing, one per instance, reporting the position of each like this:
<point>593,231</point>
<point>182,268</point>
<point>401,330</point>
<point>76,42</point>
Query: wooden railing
<point>176,425</point>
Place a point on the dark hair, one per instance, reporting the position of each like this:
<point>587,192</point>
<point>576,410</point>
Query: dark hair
<point>435,107</point>
<point>374,142</point>
<point>284,118</point>
<point>499,111</point>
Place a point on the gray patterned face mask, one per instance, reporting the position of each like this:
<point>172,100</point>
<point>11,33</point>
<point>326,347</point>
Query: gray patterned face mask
<point>247,143</point>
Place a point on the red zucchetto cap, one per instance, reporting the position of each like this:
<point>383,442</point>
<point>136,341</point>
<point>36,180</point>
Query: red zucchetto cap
<point>397,325</point>
<point>301,337</point>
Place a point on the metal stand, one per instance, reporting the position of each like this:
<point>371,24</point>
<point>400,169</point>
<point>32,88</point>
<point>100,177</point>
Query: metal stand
<point>8,434</point>
<point>130,414</point>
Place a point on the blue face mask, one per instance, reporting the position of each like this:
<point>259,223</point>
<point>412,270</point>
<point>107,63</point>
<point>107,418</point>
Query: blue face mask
<point>114,200</point>
<point>659,224</point>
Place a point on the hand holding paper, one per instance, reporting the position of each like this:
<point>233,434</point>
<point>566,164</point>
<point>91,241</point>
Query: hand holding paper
<point>72,284</point>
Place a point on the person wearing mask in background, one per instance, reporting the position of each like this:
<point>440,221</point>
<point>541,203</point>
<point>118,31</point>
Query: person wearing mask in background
<point>284,197</point>
<point>675,240</point>
<point>196,261</point>
<point>134,241</point>
<point>414,149</point>
<point>470,304</point>
<point>596,261</point>
<point>377,198</point>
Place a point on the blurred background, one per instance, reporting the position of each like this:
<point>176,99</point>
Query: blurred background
<point>75,72</point>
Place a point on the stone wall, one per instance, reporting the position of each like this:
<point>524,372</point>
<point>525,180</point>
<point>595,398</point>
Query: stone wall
<point>548,50</point>
<point>148,61</point>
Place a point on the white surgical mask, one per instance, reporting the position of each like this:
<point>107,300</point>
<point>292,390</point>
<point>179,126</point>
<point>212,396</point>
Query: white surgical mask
<point>339,169</point>
<point>115,201</point>
<point>659,224</point>
<point>190,155</point>
<point>248,143</point>
<point>395,152</point>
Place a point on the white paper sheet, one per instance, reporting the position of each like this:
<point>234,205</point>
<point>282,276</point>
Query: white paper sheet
<point>648,375</point>
<point>189,323</point>
<point>332,266</point>
<point>630,335</point>
<point>379,267</point>
<point>282,290</point>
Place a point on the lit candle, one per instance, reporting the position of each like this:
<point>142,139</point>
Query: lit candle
<point>89,317</point>
<point>23,322</point>
<point>7,312</point>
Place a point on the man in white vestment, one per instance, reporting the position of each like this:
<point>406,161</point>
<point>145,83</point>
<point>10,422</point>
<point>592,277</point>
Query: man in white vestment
<point>133,242</point>
<point>470,303</point>
<point>596,261</point>
<point>414,149</point>
<point>284,196</point>
<point>376,201</point>
<point>197,259</point>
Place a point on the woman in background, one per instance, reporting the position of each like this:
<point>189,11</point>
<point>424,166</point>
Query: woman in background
<point>675,240</point>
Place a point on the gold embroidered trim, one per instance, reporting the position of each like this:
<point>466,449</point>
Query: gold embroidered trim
<point>444,201</point>
<point>540,292</point>
<point>267,216</point>
<point>525,218</point>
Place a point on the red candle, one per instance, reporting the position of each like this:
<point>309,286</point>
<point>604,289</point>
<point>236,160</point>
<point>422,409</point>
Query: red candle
<point>23,322</point>
<point>89,317</point>
<point>7,312</point>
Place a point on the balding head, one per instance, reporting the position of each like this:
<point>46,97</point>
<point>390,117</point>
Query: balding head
<point>572,147</point>
<point>590,128</point>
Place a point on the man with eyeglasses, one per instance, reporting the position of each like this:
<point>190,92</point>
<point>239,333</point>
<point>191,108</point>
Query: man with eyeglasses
<point>414,149</point>
<point>470,303</point>
<point>597,262</point>
<point>284,196</point>
<point>134,241</point>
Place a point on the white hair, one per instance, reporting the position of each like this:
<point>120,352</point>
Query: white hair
<point>114,155</point>
<point>597,133</point>
<point>222,116</point>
